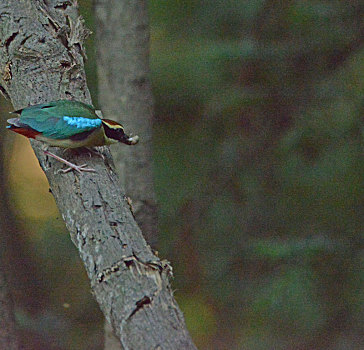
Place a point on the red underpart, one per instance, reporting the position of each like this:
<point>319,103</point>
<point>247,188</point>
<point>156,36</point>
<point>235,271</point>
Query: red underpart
<point>30,133</point>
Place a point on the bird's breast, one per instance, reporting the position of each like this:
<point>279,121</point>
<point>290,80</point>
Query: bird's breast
<point>89,139</point>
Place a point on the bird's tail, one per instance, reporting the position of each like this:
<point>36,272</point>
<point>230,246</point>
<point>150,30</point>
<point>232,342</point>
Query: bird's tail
<point>20,128</point>
<point>15,122</point>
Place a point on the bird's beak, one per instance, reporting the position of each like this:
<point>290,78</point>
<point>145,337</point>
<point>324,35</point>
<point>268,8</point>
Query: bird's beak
<point>130,140</point>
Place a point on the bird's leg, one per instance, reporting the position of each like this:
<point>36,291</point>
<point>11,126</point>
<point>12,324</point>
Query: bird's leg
<point>96,152</point>
<point>71,166</point>
<point>82,150</point>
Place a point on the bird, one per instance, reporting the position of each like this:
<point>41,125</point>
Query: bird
<point>68,124</point>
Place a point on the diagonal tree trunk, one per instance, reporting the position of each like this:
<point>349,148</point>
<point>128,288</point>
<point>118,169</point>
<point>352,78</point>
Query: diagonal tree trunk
<point>41,59</point>
<point>125,94</point>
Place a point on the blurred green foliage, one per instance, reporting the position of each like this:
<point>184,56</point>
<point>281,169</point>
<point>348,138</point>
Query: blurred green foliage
<point>259,169</point>
<point>258,145</point>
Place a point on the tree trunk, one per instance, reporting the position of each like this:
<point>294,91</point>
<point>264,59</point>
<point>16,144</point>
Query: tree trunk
<point>41,59</point>
<point>125,95</point>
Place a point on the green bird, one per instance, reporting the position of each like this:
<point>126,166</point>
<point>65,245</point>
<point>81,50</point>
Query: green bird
<point>68,124</point>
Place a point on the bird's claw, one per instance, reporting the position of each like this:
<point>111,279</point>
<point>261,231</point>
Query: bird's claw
<point>71,166</point>
<point>78,168</point>
<point>95,152</point>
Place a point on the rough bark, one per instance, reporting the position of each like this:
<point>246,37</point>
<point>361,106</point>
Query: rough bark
<point>125,95</point>
<point>111,342</point>
<point>41,59</point>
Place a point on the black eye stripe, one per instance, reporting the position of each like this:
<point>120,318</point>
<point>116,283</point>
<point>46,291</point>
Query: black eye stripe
<point>114,133</point>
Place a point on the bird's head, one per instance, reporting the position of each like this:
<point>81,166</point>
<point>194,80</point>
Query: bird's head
<point>114,132</point>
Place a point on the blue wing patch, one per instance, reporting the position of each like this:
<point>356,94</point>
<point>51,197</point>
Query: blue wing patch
<point>60,119</point>
<point>82,123</point>
<point>67,126</point>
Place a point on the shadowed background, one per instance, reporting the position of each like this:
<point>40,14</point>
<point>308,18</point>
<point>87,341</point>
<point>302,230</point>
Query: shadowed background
<point>258,162</point>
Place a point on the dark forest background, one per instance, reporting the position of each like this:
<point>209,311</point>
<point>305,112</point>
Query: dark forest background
<point>258,161</point>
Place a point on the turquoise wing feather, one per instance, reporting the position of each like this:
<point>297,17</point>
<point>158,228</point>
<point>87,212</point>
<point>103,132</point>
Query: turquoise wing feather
<point>60,119</point>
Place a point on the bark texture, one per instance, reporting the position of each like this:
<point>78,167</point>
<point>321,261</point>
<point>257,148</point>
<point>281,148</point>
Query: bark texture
<point>111,342</point>
<point>125,95</point>
<point>41,59</point>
